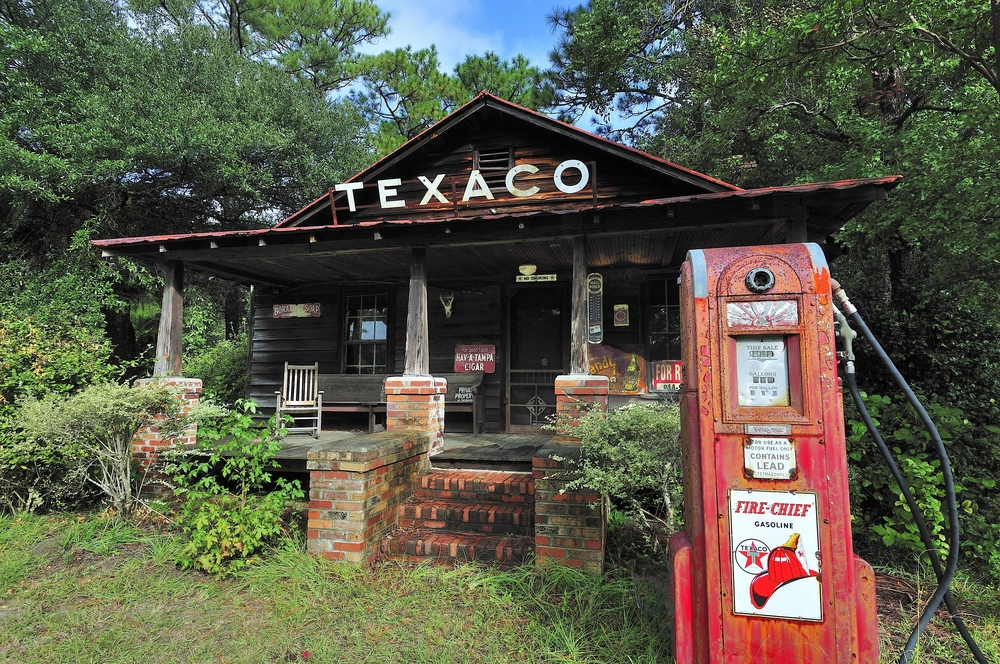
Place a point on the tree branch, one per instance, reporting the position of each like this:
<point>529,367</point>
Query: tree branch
<point>973,61</point>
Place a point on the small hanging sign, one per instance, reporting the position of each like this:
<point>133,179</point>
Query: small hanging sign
<point>621,315</point>
<point>521,278</point>
<point>306,310</point>
<point>475,359</point>
<point>595,303</point>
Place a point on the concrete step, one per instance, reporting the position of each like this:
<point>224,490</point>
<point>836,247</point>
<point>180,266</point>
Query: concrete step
<point>451,548</point>
<point>496,518</point>
<point>477,486</point>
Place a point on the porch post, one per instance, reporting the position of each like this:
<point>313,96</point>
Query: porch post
<point>168,339</point>
<point>415,400</point>
<point>579,390</point>
<point>579,361</point>
<point>417,356</point>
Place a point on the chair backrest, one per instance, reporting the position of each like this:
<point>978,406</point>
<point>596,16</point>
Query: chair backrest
<point>300,386</point>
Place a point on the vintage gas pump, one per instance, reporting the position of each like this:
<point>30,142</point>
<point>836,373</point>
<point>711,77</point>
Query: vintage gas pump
<point>765,571</point>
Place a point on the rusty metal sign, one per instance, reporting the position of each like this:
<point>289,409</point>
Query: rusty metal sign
<point>769,459</point>
<point>307,310</point>
<point>476,359</point>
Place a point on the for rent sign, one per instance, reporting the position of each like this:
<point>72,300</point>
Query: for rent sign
<point>475,359</point>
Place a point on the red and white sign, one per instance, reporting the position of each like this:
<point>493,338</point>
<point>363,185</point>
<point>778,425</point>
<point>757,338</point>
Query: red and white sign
<point>475,359</point>
<point>667,376</point>
<point>775,554</point>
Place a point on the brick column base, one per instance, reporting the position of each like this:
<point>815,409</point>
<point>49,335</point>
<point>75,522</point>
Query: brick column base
<point>575,393</point>
<point>570,527</point>
<point>416,403</point>
<point>355,486</point>
<point>150,441</point>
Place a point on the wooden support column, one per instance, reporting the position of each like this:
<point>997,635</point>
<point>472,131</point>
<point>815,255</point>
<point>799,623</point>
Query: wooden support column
<point>579,361</point>
<point>417,352</point>
<point>796,231</point>
<point>169,338</point>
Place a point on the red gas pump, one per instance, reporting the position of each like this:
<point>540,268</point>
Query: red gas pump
<point>765,571</point>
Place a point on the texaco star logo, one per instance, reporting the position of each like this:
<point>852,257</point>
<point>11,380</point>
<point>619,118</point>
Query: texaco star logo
<point>751,556</point>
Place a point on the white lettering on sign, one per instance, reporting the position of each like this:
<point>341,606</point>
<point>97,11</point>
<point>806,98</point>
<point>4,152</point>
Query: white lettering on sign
<point>475,359</point>
<point>775,554</point>
<point>667,375</point>
<point>475,186</point>
<point>512,173</point>
<point>584,176</point>
<point>432,189</point>
<point>306,310</point>
<point>762,371</point>
<point>769,458</point>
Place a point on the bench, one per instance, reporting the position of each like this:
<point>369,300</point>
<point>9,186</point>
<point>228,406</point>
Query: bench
<point>365,393</point>
<point>464,395</point>
<point>354,393</point>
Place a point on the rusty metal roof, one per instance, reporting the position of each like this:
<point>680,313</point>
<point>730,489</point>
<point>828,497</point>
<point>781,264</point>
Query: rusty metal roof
<point>847,187</point>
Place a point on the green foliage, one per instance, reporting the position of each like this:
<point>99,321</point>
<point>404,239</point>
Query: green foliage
<point>226,528</point>
<point>94,429</point>
<point>39,474</point>
<point>54,354</point>
<point>222,370</point>
<point>632,455</point>
<point>878,503</point>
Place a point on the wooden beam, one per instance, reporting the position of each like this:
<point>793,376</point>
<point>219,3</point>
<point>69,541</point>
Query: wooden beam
<point>579,360</point>
<point>169,337</point>
<point>795,230</point>
<point>417,361</point>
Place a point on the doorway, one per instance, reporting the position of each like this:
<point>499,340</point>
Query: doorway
<point>537,348</point>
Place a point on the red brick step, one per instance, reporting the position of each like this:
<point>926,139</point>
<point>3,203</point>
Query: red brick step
<point>489,518</point>
<point>451,548</point>
<point>477,486</point>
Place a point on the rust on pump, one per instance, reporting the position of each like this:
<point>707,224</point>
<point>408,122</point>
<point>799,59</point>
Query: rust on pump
<point>765,570</point>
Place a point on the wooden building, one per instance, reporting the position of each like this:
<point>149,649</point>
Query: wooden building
<point>543,250</point>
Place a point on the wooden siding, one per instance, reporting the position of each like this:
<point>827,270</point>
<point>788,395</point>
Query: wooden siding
<point>298,340</point>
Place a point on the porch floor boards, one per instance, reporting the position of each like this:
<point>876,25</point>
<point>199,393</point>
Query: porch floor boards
<point>490,451</point>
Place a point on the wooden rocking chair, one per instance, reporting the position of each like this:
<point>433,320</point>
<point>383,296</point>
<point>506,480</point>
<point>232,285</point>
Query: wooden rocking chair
<point>301,398</point>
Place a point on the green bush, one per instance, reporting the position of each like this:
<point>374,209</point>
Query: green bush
<point>222,370</point>
<point>99,423</point>
<point>878,505</point>
<point>55,355</point>
<point>632,455</point>
<point>40,475</point>
<point>225,528</point>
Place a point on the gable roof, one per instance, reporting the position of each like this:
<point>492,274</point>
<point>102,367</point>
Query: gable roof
<point>487,107</point>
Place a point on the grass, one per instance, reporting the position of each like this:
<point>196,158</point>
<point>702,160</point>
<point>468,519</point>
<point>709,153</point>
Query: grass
<point>84,589</point>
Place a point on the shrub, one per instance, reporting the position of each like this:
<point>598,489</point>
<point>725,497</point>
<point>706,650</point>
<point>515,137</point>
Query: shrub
<point>878,504</point>
<point>632,455</point>
<point>57,355</point>
<point>226,527</point>
<point>95,428</point>
<point>222,369</point>
<point>38,474</point>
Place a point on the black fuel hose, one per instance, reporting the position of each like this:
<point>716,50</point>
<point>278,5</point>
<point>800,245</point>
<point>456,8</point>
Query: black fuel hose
<point>918,517</point>
<point>949,481</point>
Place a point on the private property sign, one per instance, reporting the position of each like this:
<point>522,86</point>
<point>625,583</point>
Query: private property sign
<point>475,359</point>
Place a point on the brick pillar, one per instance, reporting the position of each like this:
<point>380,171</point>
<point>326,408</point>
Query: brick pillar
<point>355,487</point>
<point>577,392</point>
<point>150,440</point>
<point>416,403</point>
<point>570,528</point>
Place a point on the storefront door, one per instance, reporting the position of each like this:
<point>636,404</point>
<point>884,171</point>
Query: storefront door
<point>538,353</point>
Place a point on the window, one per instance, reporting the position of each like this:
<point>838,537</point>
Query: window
<point>664,319</point>
<point>365,333</point>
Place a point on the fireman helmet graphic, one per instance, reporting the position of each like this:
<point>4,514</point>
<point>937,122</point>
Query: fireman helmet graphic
<point>785,563</point>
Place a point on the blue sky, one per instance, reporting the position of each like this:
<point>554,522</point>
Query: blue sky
<point>466,27</point>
